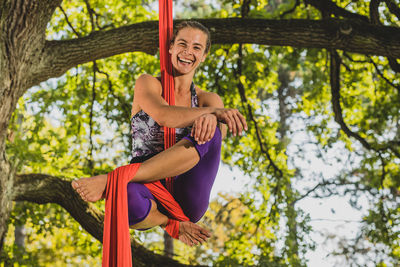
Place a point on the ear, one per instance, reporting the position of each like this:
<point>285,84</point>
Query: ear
<point>204,57</point>
<point>170,48</point>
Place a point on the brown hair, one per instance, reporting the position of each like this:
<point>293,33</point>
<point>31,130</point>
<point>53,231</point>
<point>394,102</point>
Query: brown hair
<point>195,25</point>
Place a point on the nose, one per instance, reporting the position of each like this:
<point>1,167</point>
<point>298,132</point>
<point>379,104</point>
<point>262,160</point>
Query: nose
<point>187,50</point>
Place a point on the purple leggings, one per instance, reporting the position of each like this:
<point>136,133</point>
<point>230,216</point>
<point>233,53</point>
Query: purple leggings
<point>191,189</point>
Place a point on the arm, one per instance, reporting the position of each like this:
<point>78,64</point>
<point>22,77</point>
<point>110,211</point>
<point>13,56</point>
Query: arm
<point>148,96</point>
<point>204,126</point>
<point>213,100</point>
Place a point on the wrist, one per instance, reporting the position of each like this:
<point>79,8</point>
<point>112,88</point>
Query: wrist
<point>213,110</point>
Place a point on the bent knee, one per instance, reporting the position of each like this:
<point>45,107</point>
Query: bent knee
<point>196,213</point>
<point>139,202</point>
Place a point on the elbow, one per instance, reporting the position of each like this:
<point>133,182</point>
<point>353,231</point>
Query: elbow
<point>165,122</point>
<point>160,121</point>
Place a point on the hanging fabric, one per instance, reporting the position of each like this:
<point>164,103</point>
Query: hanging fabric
<point>165,29</point>
<point>116,238</point>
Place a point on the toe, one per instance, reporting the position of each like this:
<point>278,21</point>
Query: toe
<point>84,197</point>
<point>75,184</point>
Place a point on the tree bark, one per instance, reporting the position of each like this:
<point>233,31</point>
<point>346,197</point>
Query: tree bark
<point>22,27</point>
<point>41,189</point>
<point>345,34</point>
<point>26,59</point>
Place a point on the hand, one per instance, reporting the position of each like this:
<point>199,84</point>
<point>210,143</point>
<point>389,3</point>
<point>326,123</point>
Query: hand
<point>233,118</point>
<point>204,128</point>
<point>192,234</point>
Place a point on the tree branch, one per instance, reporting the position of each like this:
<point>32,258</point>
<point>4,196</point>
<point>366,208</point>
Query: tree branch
<point>360,37</point>
<point>393,8</point>
<point>263,147</point>
<point>335,91</point>
<point>42,188</point>
<point>374,14</point>
<point>68,22</point>
<point>296,4</point>
<point>126,108</point>
<point>397,87</point>
<point>329,7</point>
<point>373,11</point>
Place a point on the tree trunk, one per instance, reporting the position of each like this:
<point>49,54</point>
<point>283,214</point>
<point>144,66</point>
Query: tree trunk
<point>168,245</point>
<point>6,178</point>
<point>19,235</point>
<point>22,26</point>
<point>292,239</point>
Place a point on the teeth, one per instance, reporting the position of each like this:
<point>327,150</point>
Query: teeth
<point>184,60</point>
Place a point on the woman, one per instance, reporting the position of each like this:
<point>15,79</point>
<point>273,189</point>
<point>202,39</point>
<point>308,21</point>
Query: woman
<point>194,159</point>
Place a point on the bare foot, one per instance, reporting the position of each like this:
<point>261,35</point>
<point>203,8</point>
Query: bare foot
<point>192,234</point>
<point>91,189</point>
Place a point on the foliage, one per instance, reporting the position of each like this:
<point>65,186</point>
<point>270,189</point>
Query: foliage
<point>77,125</point>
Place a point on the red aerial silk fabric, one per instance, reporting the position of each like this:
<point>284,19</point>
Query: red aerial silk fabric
<point>165,29</point>
<point>116,239</point>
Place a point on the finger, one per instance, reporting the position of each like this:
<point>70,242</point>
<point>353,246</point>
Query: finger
<point>238,124</point>
<point>199,126</point>
<point>204,131</point>
<point>191,238</point>
<point>202,237</point>
<point>228,122</point>
<point>233,122</point>
<point>208,134</point>
<point>202,234</point>
<point>214,128</point>
<point>195,238</point>
<point>206,232</point>
<point>201,230</point>
<point>211,131</point>
<point>243,120</point>
<point>199,240</point>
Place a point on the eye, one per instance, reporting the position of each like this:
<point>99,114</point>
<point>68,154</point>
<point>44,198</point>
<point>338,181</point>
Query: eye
<point>197,48</point>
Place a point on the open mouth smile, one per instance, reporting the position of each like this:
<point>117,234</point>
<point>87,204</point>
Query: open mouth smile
<point>185,61</point>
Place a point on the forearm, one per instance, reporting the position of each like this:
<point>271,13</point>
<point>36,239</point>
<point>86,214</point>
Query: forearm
<point>180,117</point>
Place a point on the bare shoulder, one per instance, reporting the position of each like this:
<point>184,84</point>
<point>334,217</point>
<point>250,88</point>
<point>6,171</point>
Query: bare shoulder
<point>147,88</point>
<point>208,99</point>
<point>146,81</point>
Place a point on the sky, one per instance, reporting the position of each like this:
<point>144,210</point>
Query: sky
<point>344,221</point>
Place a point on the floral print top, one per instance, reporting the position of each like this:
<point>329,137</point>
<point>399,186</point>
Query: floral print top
<point>148,135</point>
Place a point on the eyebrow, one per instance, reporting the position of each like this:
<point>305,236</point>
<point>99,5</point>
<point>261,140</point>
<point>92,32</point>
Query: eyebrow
<point>183,40</point>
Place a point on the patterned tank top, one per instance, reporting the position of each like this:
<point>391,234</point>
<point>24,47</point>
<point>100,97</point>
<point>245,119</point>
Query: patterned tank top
<point>148,135</point>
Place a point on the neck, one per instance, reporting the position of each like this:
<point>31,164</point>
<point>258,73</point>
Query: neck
<point>182,83</point>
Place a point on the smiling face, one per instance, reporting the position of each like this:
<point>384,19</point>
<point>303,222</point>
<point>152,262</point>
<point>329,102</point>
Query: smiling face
<point>188,50</point>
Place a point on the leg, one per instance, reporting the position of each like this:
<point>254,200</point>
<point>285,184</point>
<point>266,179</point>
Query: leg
<point>143,214</point>
<point>182,156</point>
<point>142,208</point>
<point>192,188</point>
